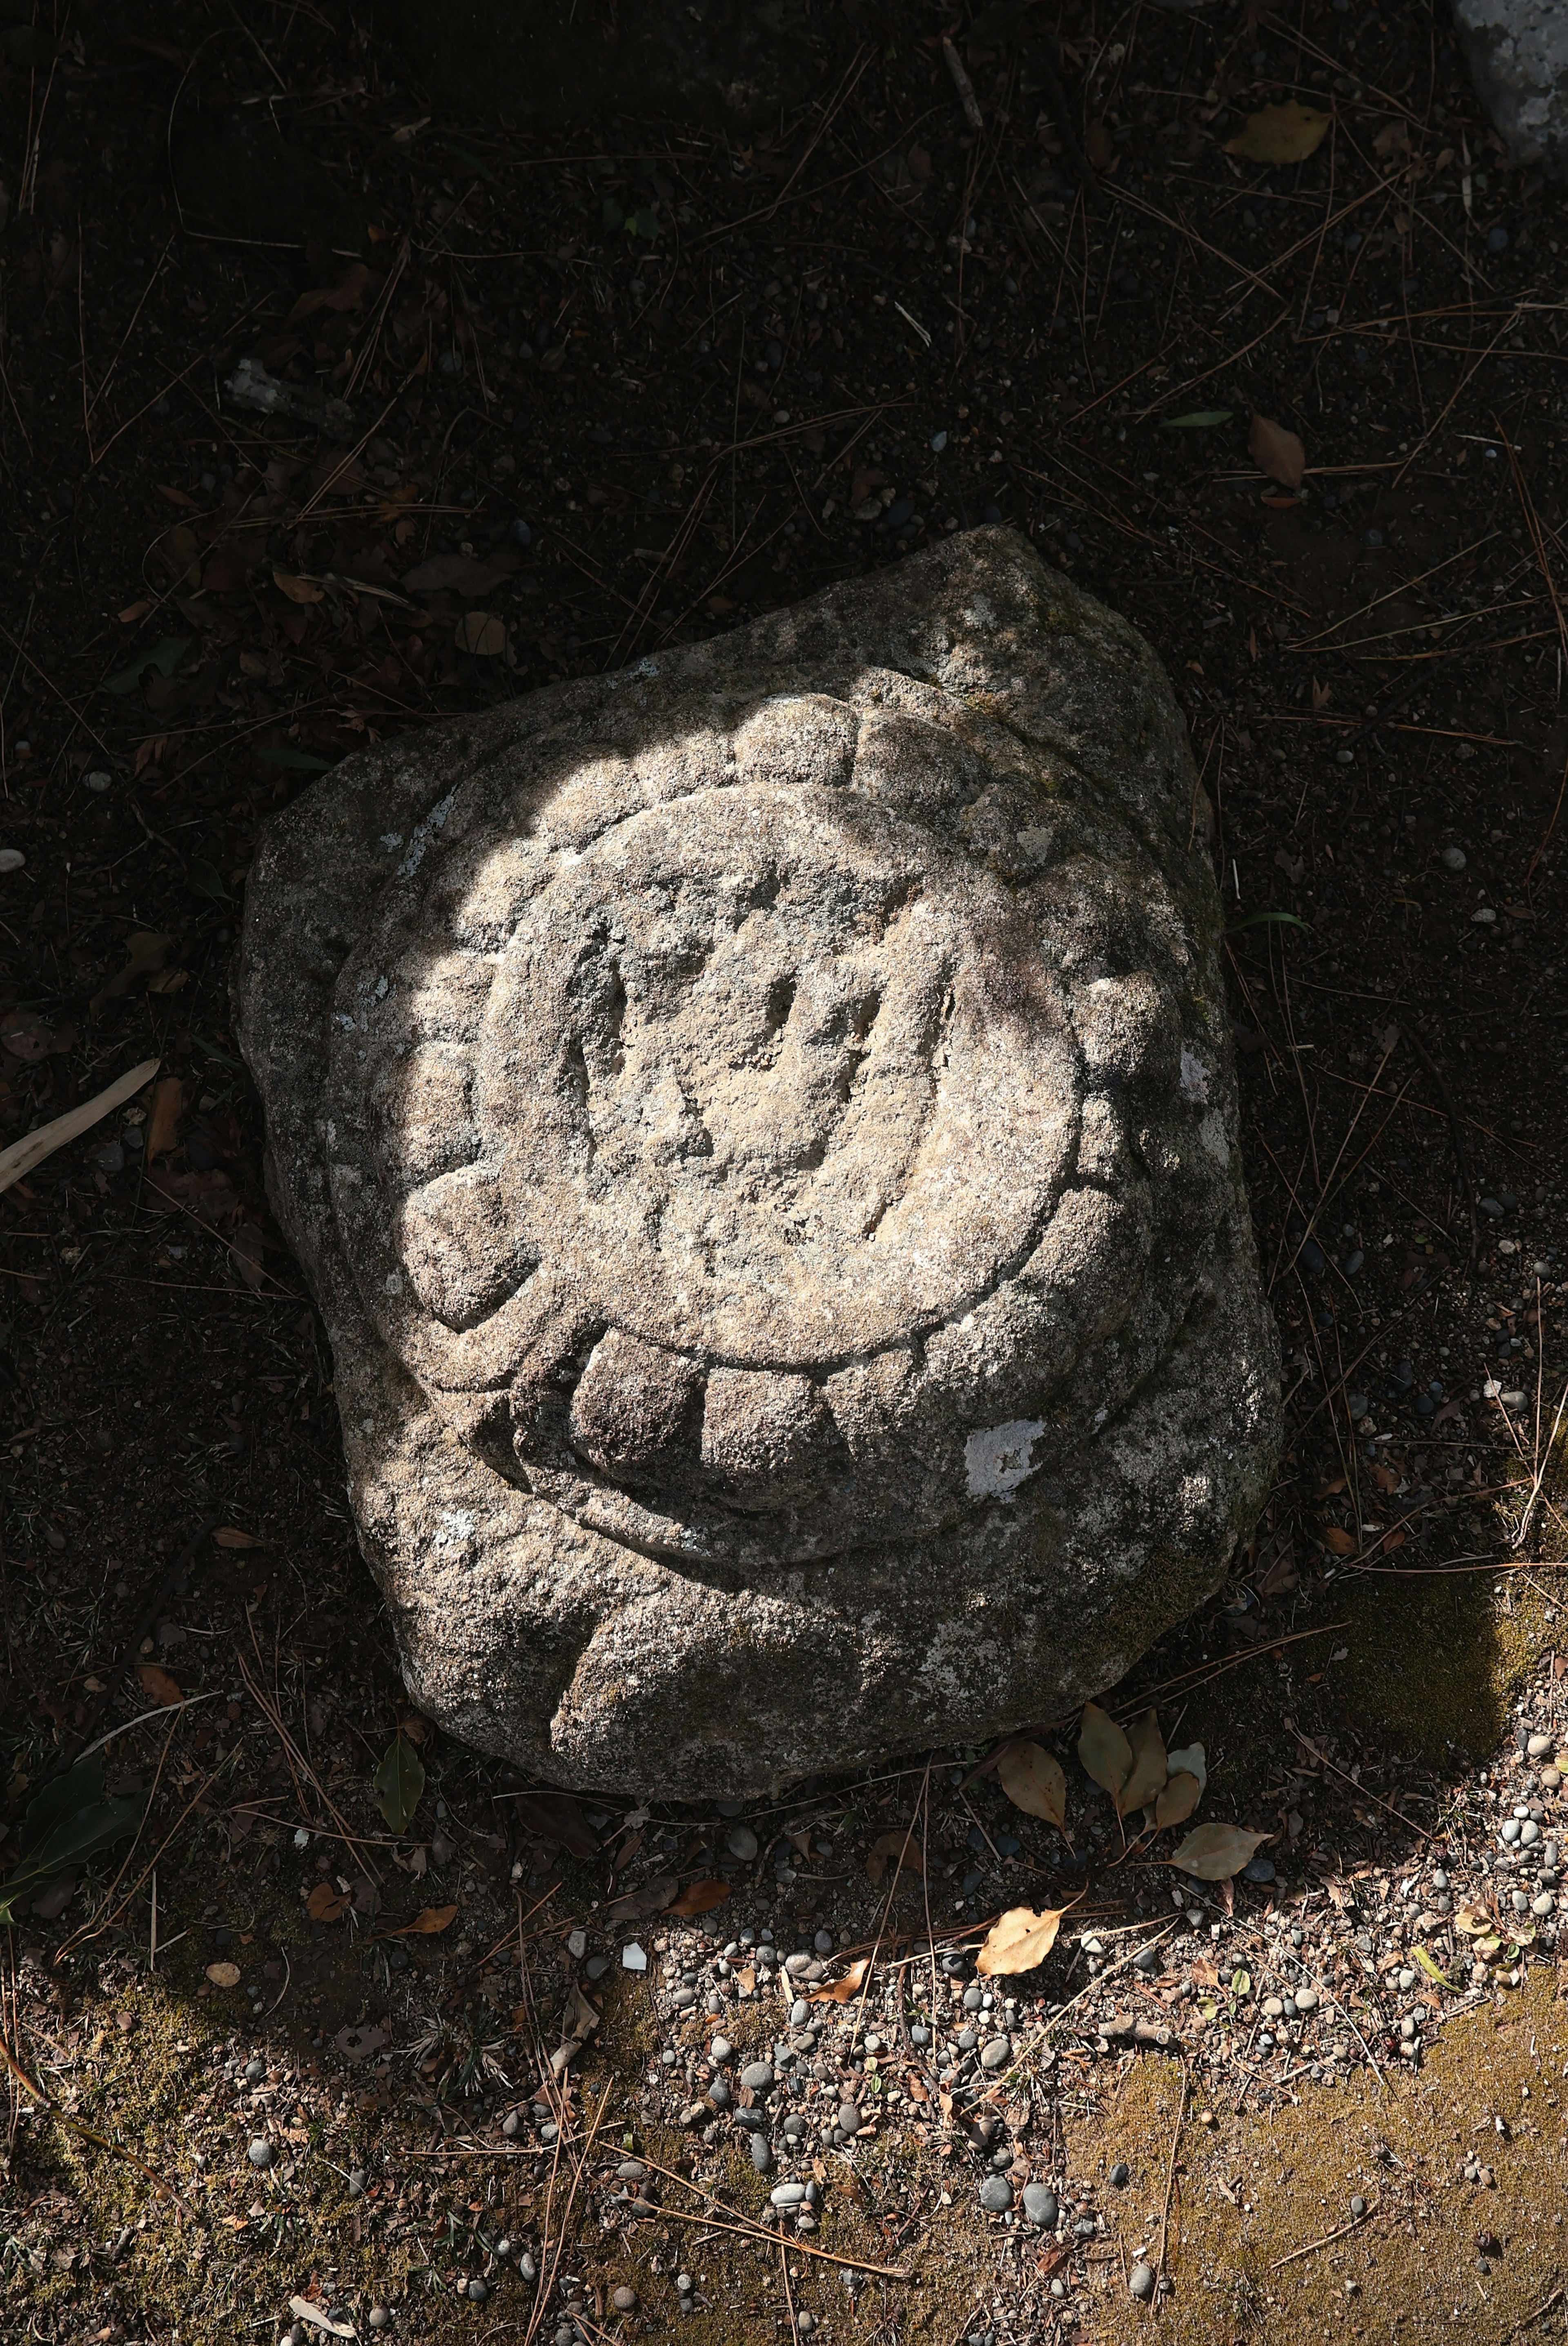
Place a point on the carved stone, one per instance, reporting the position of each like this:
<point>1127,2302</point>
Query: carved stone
<point>761,1130</point>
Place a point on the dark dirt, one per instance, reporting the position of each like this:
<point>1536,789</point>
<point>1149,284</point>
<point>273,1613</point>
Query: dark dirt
<point>611,385</point>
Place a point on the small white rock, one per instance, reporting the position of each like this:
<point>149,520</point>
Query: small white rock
<point>632,1958</point>
<point>11,859</point>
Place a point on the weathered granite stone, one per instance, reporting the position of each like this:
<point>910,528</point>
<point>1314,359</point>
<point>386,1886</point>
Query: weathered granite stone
<point>1518,54</point>
<point>761,1129</point>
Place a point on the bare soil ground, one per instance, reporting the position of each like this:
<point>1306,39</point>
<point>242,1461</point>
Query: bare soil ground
<point>603,389</point>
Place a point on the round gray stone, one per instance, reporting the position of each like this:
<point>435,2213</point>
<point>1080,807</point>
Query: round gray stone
<point>260,2153</point>
<point>1041,2207</point>
<point>1141,2280</point>
<point>997,2054</point>
<point>757,2076</point>
<point>996,2195</point>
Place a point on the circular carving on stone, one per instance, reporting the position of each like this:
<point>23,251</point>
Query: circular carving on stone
<point>767,1192</point>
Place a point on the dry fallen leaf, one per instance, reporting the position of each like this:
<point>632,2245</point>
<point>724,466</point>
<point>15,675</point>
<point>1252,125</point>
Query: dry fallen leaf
<point>426,1924</point>
<point>557,1817</point>
<point>1277,453</point>
<point>636,1905</point>
<point>901,1846</point>
<point>1177,1802</point>
<point>478,633</point>
<point>298,590</point>
<point>232,1536</point>
<point>158,1684</point>
<point>1033,1781</point>
<point>840,1991</point>
<point>145,951</point>
<point>1148,1770</point>
<point>1105,1751</point>
<point>1341,1542</point>
<point>1280,133</point>
<point>700,1898</point>
<point>163,1123</point>
<point>1019,1941</point>
<point>223,1975</point>
<point>326,1903</point>
<point>1218,1852</point>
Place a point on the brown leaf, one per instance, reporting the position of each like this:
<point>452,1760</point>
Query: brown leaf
<point>163,1124</point>
<point>30,1038</point>
<point>245,1249</point>
<point>298,590</point>
<point>232,1536</point>
<point>1019,1941</point>
<point>326,1903</point>
<point>839,1990</point>
<point>348,294</point>
<point>1033,1781</point>
<point>1107,1754</point>
<point>636,1905</point>
<point>555,1816</point>
<point>901,1846</point>
<point>1148,1770</point>
<point>158,1684</point>
<point>144,951</point>
<point>1279,133</point>
<point>1277,453</point>
<point>1216,1852</point>
<point>1341,1542</point>
<point>1178,1799</point>
<point>223,1975</point>
<point>460,574</point>
<point>426,1924</point>
<point>477,633</point>
<point>178,496</point>
<point>700,1898</point>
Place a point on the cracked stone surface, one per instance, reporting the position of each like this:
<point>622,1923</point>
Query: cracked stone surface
<point>1518,56</point>
<point>761,1130</point>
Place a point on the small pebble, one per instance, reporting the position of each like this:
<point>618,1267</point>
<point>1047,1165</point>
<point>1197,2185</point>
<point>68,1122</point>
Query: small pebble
<point>757,2076</point>
<point>1121,2174</point>
<point>1141,2280</point>
<point>721,2050</point>
<point>632,1958</point>
<point>1357,2206</point>
<point>761,2152</point>
<point>741,1843</point>
<point>624,2300</point>
<point>260,2154</point>
<point>1455,858</point>
<point>378,2318</point>
<point>1273,2007</point>
<point>1305,1999</point>
<point>1260,1870</point>
<point>996,2195</point>
<point>1041,2207</point>
<point>997,2054</point>
<point>478,2290</point>
<point>823,1943</point>
<point>254,2072</point>
<point>848,2120</point>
